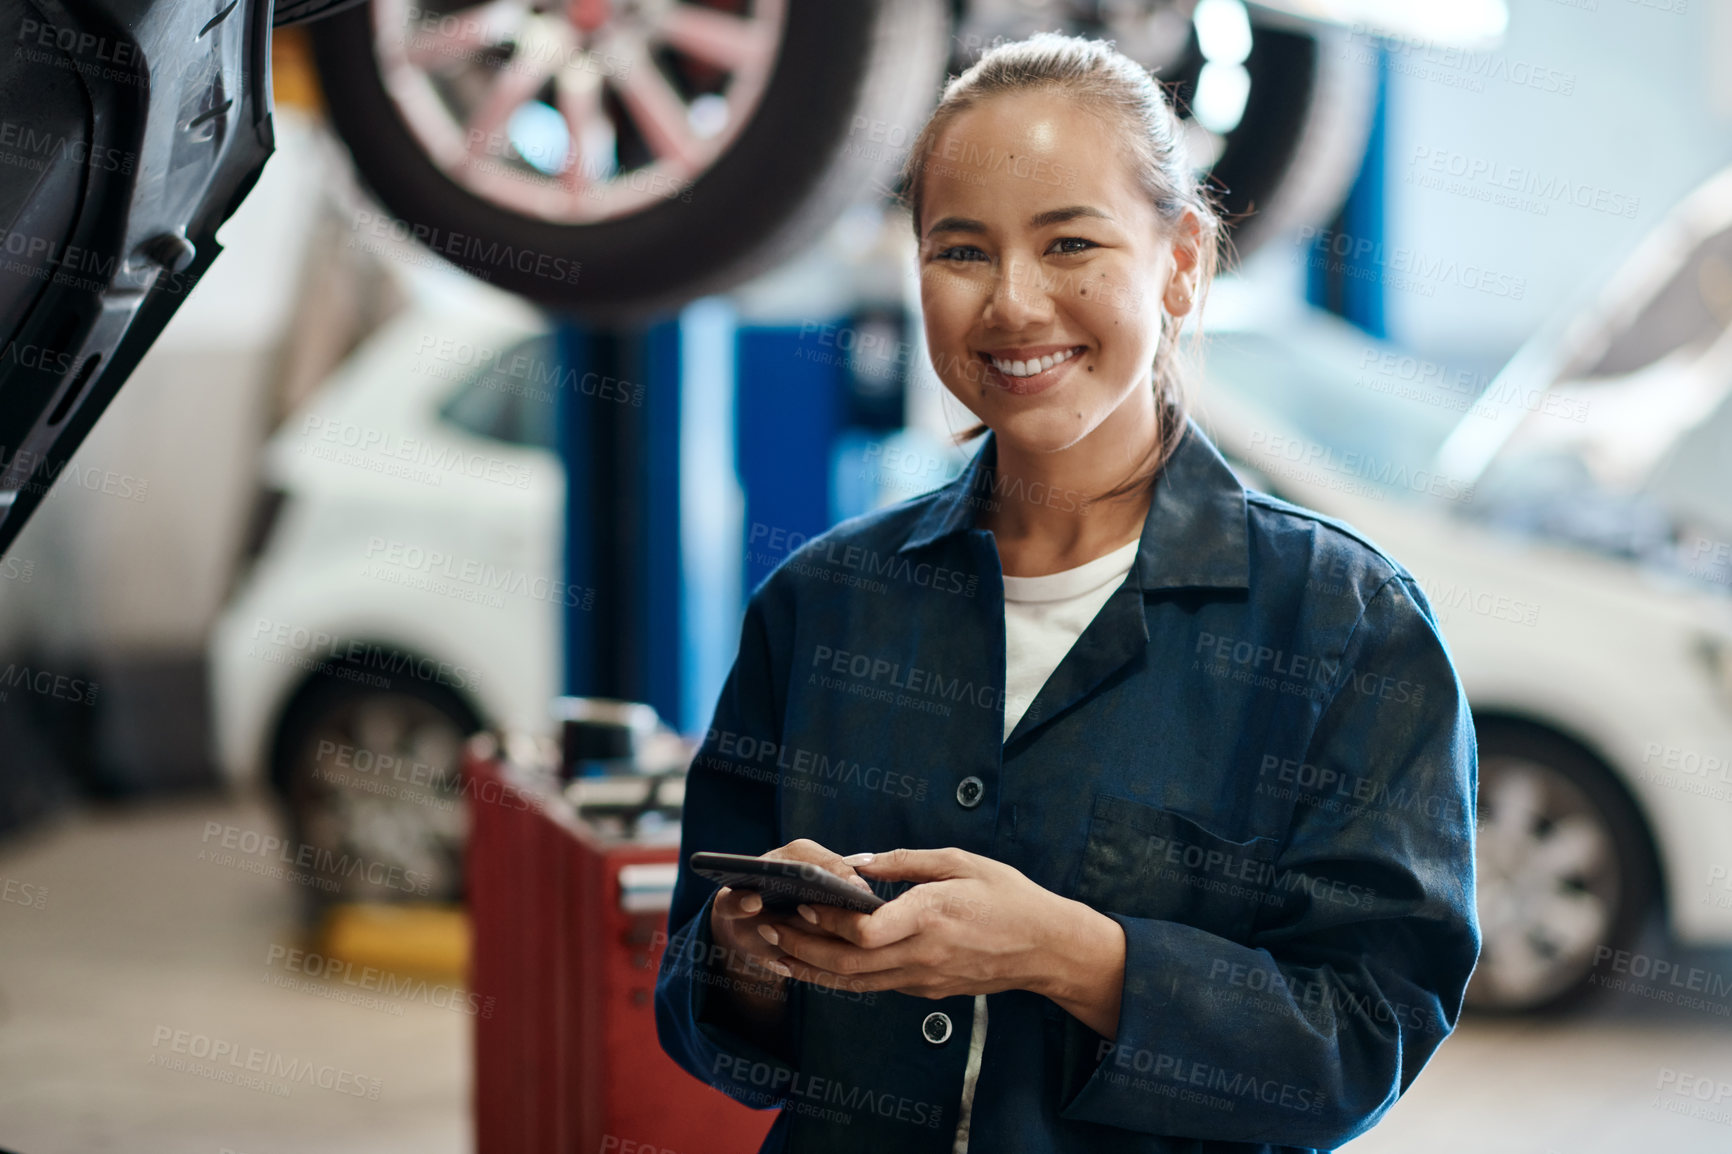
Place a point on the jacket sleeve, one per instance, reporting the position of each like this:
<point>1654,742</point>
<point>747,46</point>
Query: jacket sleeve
<point>1365,937</point>
<point>730,807</point>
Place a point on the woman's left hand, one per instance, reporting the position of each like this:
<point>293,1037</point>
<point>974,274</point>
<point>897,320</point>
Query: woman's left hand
<point>971,926</point>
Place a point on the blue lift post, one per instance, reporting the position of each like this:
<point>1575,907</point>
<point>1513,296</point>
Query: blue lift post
<point>1352,285</point>
<point>679,506</point>
<point>622,511</point>
<point>652,524</point>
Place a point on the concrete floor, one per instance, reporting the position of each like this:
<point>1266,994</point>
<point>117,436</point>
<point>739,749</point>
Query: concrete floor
<point>1587,1085</point>
<point>136,938</point>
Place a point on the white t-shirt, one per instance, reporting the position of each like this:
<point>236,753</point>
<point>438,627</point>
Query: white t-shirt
<point>1043,617</point>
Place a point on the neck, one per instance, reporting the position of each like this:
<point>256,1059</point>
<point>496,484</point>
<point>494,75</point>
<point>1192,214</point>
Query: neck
<point>1045,516</point>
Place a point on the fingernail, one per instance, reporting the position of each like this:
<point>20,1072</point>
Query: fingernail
<point>779,968</point>
<point>751,903</point>
<point>809,914</point>
<point>858,859</point>
<point>769,934</point>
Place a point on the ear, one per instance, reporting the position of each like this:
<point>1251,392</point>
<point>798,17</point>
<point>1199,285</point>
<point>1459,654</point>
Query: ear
<point>1185,244</point>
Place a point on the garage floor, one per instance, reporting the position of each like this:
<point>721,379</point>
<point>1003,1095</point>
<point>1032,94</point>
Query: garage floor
<point>142,955</point>
<point>139,937</point>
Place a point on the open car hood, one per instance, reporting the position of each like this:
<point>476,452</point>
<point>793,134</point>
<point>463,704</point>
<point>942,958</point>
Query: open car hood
<point>296,11</point>
<point>1662,324</point>
<point>136,128</point>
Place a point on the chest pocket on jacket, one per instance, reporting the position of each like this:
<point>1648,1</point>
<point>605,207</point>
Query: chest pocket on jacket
<point>1146,862</point>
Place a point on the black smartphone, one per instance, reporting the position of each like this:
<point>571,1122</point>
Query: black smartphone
<point>784,884</point>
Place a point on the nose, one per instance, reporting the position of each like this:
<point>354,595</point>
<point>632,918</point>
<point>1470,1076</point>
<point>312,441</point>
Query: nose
<point>1019,297</point>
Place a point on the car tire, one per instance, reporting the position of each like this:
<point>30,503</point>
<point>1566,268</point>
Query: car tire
<point>797,161</point>
<point>1565,871</point>
<point>369,781</point>
<point>1300,145</point>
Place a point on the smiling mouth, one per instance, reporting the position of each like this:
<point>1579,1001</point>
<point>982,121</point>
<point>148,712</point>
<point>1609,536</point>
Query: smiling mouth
<point>1021,370</point>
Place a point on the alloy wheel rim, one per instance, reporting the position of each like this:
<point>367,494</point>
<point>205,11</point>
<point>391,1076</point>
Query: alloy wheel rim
<point>1548,886</point>
<point>379,782</point>
<point>577,111</point>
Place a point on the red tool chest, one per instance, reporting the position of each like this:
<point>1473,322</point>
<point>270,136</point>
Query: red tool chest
<point>568,1060</point>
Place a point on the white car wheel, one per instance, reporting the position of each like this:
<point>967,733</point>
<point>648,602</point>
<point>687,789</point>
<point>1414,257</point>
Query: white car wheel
<point>1563,871</point>
<point>370,780</point>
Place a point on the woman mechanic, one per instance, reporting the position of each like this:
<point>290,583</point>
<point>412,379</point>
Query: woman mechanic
<point>1154,773</point>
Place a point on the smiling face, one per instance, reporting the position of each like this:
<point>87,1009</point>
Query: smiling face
<point>1044,271</point>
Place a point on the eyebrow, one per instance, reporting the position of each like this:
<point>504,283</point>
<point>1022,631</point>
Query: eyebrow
<point>1038,220</point>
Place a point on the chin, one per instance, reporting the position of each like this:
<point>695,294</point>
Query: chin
<point>1050,429</point>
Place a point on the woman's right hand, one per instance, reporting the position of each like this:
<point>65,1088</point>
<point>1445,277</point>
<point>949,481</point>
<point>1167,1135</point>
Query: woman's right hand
<point>736,914</point>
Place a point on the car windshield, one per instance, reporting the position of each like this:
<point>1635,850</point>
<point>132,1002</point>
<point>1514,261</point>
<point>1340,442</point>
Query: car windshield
<point>1599,464</point>
<point>509,399</point>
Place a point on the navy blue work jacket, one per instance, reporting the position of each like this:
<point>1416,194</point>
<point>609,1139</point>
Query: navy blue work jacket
<point>1257,759</point>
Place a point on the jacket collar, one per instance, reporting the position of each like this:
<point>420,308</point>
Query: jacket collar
<point>1194,536</point>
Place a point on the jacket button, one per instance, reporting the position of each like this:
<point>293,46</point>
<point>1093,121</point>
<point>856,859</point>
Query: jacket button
<point>936,1027</point>
<point>969,791</point>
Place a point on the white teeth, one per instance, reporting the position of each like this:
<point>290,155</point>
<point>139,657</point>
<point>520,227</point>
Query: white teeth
<point>1030,368</point>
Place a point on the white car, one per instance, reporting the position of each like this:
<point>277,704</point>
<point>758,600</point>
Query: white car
<point>407,589</point>
<point>1568,522</point>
